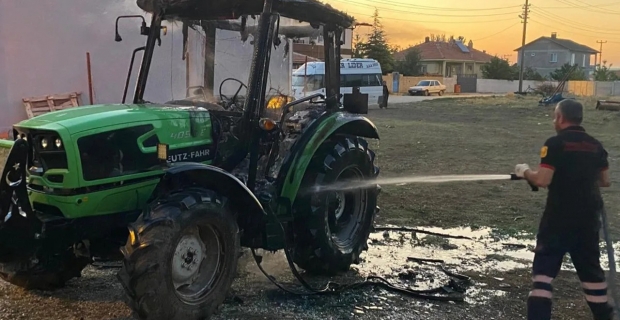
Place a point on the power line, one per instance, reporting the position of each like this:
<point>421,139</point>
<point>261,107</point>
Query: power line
<point>571,31</point>
<point>581,26</point>
<point>415,6</point>
<point>593,7</point>
<point>504,30</point>
<point>425,13</point>
<point>586,6</point>
<point>526,10</point>
<point>420,21</point>
<point>572,26</point>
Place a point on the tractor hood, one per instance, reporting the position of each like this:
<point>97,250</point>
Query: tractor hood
<point>83,118</point>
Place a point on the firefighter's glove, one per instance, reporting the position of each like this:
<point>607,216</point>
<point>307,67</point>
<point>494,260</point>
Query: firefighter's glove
<point>520,170</point>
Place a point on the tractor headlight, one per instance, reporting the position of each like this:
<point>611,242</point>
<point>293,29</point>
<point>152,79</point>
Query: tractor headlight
<point>44,143</point>
<point>278,101</point>
<point>58,143</point>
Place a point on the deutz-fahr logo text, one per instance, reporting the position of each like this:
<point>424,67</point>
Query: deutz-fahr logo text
<point>190,156</point>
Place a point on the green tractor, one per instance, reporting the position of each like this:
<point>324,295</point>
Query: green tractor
<point>180,188</point>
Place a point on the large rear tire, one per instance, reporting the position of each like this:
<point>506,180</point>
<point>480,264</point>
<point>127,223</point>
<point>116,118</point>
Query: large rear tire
<point>44,273</point>
<point>181,257</point>
<point>331,228</point>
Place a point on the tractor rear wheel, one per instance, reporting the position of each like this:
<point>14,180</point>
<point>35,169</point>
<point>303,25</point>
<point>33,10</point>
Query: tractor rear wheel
<point>331,228</point>
<point>44,272</point>
<point>181,257</point>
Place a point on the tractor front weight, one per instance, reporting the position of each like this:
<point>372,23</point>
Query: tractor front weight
<point>19,227</point>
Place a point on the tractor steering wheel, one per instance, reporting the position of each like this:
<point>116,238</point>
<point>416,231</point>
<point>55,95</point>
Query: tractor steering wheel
<point>229,102</point>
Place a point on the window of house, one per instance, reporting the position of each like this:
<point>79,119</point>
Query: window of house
<point>572,59</point>
<point>583,63</point>
<point>554,57</point>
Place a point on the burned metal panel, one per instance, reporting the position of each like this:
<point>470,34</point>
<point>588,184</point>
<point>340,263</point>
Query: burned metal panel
<point>303,10</point>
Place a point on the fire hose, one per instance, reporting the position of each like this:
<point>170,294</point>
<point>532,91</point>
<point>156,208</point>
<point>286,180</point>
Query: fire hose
<point>611,279</point>
<point>335,288</point>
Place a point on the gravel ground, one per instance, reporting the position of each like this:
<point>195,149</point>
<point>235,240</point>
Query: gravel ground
<point>97,294</point>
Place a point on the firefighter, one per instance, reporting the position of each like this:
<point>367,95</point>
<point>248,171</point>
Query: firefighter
<point>573,166</point>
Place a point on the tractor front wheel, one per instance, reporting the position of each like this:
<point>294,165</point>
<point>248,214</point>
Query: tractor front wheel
<point>332,226</point>
<point>181,257</point>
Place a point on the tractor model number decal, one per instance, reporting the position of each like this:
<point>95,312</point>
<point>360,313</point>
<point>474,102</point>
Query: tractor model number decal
<point>181,135</point>
<point>193,154</point>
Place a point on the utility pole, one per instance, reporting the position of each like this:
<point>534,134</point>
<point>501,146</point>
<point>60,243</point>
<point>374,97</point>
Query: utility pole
<point>526,10</point>
<point>601,51</point>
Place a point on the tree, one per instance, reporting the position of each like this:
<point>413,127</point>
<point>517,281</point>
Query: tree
<point>358,45</point>
<point>531,74</point>
<point>377,47</point>
<point>603,73</point>
<point>568,70</point>
<point>443,38</point>
<point>395,48</point>
<point>411,65</point>
<point>498,69</point>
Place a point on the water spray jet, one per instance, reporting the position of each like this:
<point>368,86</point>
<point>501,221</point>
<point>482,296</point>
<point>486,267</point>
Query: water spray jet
<point>350,185</point>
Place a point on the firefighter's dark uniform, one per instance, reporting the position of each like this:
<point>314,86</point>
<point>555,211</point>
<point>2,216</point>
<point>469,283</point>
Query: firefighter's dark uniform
<point>570,222</point>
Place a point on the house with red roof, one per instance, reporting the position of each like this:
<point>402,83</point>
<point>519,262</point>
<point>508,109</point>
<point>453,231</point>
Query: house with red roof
<point>448,58</point>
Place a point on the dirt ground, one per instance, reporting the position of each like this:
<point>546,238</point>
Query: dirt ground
<point>447,136</point>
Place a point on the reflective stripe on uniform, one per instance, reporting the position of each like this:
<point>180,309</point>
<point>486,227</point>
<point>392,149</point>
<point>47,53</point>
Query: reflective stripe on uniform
<point>596,299</point>
<point>541,287</point>
<point>595,292</point>
<point>594,285</point>
<point>541,278</point>
<point>541,293</point>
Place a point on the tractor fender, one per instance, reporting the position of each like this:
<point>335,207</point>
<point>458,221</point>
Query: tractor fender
<point>298,159</point>
<point>188,174</point>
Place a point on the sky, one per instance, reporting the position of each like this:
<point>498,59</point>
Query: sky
<point>494,26</point>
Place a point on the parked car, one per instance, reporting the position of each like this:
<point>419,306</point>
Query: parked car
<point>427,87</point>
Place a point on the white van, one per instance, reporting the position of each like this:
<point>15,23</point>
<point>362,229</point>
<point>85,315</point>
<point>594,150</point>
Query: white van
<point>366,74</point>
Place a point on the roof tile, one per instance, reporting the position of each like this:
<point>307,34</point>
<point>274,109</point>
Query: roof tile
<point>434,50</point>
<point>566,43</point>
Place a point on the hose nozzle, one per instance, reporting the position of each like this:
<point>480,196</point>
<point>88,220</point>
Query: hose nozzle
<point>513,176</point>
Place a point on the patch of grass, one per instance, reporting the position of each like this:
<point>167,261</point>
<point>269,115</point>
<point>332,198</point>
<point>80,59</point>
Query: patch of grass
<point>506,232</point>
<point>476,136</point>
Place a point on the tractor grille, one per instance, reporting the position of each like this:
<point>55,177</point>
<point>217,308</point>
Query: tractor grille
<point>45,152</point>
